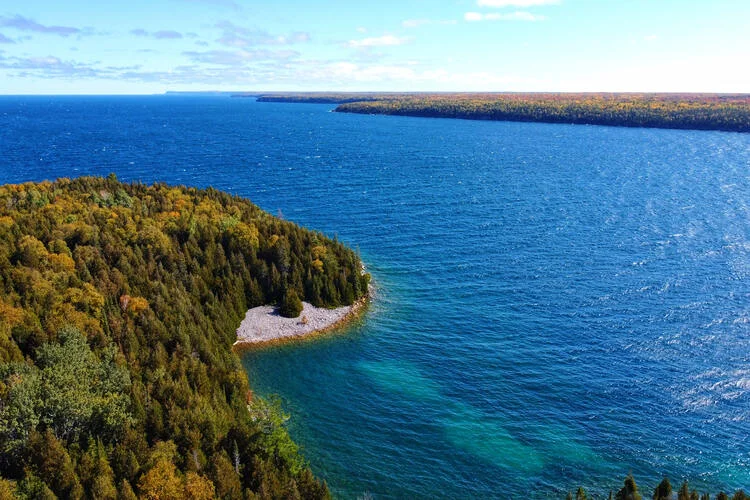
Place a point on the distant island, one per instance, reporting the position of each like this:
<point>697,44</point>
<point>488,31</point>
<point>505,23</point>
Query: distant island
<point>723,112</point>
<point>119,307</point>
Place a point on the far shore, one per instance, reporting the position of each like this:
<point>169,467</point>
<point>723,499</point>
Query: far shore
<point>686,111</point>
<point>264,326</point>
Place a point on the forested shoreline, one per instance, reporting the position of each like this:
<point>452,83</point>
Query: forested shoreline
<point>315,99</point>
<point>724,112</point>
<point>118,309</point>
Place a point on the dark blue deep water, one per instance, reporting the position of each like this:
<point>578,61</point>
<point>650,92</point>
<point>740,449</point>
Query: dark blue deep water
<point>556,305</point>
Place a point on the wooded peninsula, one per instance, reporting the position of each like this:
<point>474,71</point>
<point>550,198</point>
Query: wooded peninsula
<point>118,310</point>
<point>724,112</point>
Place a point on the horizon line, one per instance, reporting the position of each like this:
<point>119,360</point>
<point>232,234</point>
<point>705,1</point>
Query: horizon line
<point>371,92</point>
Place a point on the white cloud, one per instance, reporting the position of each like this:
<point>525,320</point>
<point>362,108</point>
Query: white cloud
<point>159,35</point>
<point>361,29</point>
<point>416,23</point>
<point>406,77</point>
<point>380,41</point>
<point>515,3</point>
<point>241,37</point>
<point>239,57</point>
<point>494,16</point>
<point>374,73</point>
<point>685,74</point>
<point>650,38</point>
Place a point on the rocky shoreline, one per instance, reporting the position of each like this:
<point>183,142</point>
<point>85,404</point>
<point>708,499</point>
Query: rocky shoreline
<point>264,325</point>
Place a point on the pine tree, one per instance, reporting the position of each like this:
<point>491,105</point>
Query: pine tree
<point>629,490</point>
<point>684,492</point>
<point>291,305</point>
<point>663,491</point>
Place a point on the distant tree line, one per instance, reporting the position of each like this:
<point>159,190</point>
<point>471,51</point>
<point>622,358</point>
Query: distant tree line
<point>118,310</point>
<point>314,98</point>
<point>675,111</point>
<point>679,111</point>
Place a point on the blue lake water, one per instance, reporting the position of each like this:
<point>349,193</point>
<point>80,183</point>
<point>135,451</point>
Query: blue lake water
<point>555,305</point>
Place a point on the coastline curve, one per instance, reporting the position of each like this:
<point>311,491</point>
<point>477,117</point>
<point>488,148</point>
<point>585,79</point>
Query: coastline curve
<point>263,326</point>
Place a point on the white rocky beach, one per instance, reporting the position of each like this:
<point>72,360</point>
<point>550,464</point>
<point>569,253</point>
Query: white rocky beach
<point>264,324</point>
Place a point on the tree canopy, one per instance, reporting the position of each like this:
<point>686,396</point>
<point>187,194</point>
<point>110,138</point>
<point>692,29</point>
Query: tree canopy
<point>118,310</point>
<point>681,111</point>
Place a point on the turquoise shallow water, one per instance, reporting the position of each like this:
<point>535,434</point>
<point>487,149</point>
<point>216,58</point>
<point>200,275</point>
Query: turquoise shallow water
<point>556,305</point>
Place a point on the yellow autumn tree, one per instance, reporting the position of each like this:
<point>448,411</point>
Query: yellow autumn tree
<point>198,487</point>
<point>161,482</point>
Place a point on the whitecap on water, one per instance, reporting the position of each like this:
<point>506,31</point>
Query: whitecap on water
<point>715,386</point>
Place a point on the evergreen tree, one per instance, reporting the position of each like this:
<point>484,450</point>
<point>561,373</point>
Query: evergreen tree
<point>684,492</point>
<point>629,490</point>
<point>663,491</point>
<point>291,305</point>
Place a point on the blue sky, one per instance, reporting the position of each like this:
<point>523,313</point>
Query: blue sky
<point>150,46</point>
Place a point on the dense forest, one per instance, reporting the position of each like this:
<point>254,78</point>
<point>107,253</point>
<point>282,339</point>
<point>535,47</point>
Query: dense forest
<point>118,310</point>
<point>676,111</point>
<point>316,98</point>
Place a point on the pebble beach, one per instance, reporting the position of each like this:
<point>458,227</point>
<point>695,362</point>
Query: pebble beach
<point>264,324</point>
